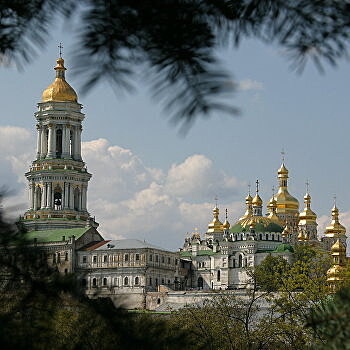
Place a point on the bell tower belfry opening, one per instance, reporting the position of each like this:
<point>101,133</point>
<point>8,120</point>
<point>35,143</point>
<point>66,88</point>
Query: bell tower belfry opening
<point>58,178</point>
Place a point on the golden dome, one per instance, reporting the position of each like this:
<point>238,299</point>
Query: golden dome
<point>307,215</point>
<point>257,201</point>
<point>301,237</point>
<point>226,225</point>
<point>249,211</point>
<point>283,170</point>
<point>338,247</point>
<point>335,228</point>
<point>59,90</point>
<point>216,225</point>
<point>285,232</point>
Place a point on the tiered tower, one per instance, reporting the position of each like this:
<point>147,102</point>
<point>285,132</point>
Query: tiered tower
<point>58,178</point>
<point>307,221</point>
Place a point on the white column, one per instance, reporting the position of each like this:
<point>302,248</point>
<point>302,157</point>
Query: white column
<point>43,142</point>
<point>84,198</point>
<point>79,129</point>
<point>44,196</point>
<point>52,137</point>
<point>31,196</point>
<point>65,142</point>
<point>66,196</point>
<point>49,195</point>
<point>75,143</point>
<point>71,196</point>
<point>38,147</point>
<point>35,206</point>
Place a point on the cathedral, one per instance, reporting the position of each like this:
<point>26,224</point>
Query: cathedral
<point>219,260</point>
<point>58,222</point>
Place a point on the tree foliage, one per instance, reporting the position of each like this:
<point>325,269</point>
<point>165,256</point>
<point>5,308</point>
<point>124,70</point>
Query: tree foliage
<point>174,42</point>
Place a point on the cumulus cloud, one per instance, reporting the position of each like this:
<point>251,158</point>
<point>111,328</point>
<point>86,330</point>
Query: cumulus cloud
<point>250,85</point>
<point>128,198</point>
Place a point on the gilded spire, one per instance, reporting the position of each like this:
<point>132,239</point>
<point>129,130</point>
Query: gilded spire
<point>216,225</point>
<point>286,203</point>
<point>307,216</point>
<point>248,202</point>
<point>257,201</point>
<point>335,229</point>
<point>59,90</point>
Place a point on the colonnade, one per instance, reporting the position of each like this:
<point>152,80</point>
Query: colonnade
<point>47,141</point>
<point>71,196</point>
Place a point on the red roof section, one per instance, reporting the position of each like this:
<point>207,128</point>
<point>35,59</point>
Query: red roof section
<point>96,245</point>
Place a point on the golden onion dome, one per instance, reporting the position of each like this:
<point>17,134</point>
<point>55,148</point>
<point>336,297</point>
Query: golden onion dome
<point>59,90</point>
<point>335,228</point>
<point>307,215</point>
<point>335,273</point>
<point>216,225</point>
<point>338,247</point>
<point>248,199</point>
<point>301,237</point>
<point>283,170</point>
<point>257,201</point>
<point>285,232</point>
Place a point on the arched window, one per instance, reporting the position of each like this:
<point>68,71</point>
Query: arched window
<point>218,275</point>
<point>260,236</point>
<point>240,261</point>
<point>137,280</point>
<point>58,257</point>
<point>126,281</point>
<point>105,281</point>
<point>233,262</point>
<point>267,237</point>
<point>59,143</point>
<point>57,198</point>
<point>242,237</point>
<point>94,282</point>
<point>200,282</point>
<point>76,199</point>
<point>273,236</point>
<point>66,256</point>
<point>105,258</point>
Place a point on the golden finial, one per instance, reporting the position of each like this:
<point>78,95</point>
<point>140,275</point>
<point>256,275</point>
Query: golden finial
<point>282,154</point>
<point>249,185</point>
<point>216,201</point>
<point>307,184</point>
<point>257,186</point>
<point>335,201</point>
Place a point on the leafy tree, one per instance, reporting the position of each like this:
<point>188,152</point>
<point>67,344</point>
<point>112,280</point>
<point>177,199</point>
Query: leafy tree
<point>175,41</point>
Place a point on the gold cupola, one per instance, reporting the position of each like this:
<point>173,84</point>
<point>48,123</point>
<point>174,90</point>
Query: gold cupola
<point>335,229</point>
<point>226,225</point>
<point>335,273</point>
<point>249,211</point>
<point>59,90</point>
<point>307,216</point>
<point>286,203</point>
<point>216,225</point>
<point>257,202</point>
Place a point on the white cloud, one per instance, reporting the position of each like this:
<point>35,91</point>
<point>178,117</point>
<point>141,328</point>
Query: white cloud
<point>250,84</point>
<point>128,198</point>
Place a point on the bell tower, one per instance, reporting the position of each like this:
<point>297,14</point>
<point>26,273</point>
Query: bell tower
<point>58,178</point>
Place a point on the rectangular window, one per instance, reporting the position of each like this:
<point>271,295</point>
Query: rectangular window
<point>156,258</point>
<point>169,261</point>
<point>105,258</point>
<point>176,262</point>
<point>150,281</point>
<point>137,257</point>
<point>163,261</point>
<point>126,257</point>
<point>151,257</point>
<point>94,259</point>
<point>84,259</point>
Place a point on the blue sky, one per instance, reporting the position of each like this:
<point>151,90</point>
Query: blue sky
<point>307,115</point>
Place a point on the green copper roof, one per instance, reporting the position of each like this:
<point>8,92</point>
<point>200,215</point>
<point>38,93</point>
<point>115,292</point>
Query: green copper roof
<point>271,227</point>
<point>55,235</point>
<point>199,253</point>
<point>282,248</point>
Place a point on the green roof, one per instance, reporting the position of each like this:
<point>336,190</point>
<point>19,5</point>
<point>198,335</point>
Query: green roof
<point>282,248</point>
<point>199,253</point>
<point>55,235</point>
<point>271,227</point>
